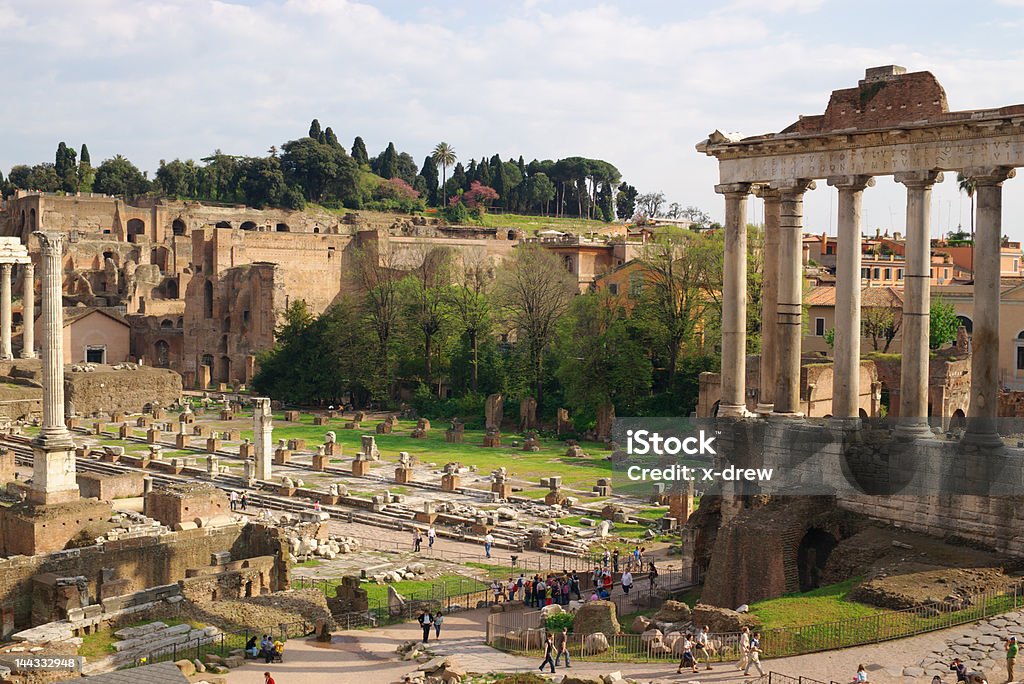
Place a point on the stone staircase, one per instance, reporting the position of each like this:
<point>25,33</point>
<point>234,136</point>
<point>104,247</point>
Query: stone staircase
<point>149,641</point>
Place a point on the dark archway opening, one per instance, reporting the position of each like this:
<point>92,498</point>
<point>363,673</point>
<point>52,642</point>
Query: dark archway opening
<point>178,227</point>
<point>172,289</point>
<point>208,299</point>
<point>135,228</point>
<point>223,224</point>
<point>958,421</point>
<point>811,556</point>
<point>248,225</point>
<point>283,228</point>
<point>163,354</point>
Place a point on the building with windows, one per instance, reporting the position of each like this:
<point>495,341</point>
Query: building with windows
<point>93,335</point>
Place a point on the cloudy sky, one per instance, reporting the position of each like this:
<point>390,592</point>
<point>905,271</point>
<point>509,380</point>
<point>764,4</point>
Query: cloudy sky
<point>636,83</point>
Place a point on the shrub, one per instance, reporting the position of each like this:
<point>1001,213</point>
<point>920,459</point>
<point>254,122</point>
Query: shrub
<point>558,621</point>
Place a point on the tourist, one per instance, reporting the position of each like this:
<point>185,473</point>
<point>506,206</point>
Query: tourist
<point>425,621</point>
<point>627,581</point>
<point>417,540</point>
<point>438,619</point>
<point>564,586</point>
<point>251,650</point>
<point>496,590</point>
<point>562,646</point>
<point>539,592</point>
<point>709,645</point>
<point>267,679</point>
<point>960,668</point>
<point>754,657</point>
<point>594,596</point>
<point>549,652</point>
<point>636,557</point>
<point>574,582</point>
<point>862,675</point>
<point>597,575</point>
<point>1011,654</point>
<point>488,543</point>
<point>700,649</point>
<point>316,506</point>
<point>431,536</point>
<point>267,649</point>
<point>744,648</point>
<point>687,659</point>
<point>243,501</point>
<point>233,499</point>
<point>549,592</point>
<point>605,558</point>
<point>615,561</point>
<point>607,583</point>
<point>652,574</point>
<point>278,650</point>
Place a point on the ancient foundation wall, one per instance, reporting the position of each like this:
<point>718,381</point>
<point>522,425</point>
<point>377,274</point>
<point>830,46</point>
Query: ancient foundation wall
<point>105,390</point>
<point>110,487</point>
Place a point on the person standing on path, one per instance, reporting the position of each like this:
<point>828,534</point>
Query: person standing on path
<point>431,536</point>
<point>615,561</point>
<point>754,657</point>
<point>488,543</point>
<point>549,653</point>
<point>425,622</point>
<point>438,619</point>
<point>233,498</point>
<point>627,581</point>
<point>243,500</point>
<point>744,648</point>
<point>267,679</point>
<point>652,574</point>
<point>417,540</point>
<point>562,646</point>
<point>1011,654</point>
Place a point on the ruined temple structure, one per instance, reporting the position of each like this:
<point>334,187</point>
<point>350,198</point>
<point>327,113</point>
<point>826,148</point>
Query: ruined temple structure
<point>844,471</point>
<point>224,273</point>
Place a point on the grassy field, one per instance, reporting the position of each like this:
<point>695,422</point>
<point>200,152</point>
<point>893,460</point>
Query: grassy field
<point>826,604</point>
<point>532,224</point>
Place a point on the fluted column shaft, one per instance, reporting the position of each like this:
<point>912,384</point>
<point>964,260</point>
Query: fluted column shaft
<point>982,414</point>
<point>846,349</point>
<point>916,303</point>
<point>28,316</point>
<point>769,301</point>
<point>734,301</point>
<point>53,338</point>
<point>789,312</point>
<point>5,311</point>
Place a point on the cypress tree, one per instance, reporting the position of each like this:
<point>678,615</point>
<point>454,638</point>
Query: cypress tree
<point>389,162</point>
<point>84,156</point>
<point>314,130</point>
<point>359,151</point>
<point>331,138</point>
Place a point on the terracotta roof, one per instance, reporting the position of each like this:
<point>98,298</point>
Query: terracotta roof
<point>74,313</point>
<point>869,296</point>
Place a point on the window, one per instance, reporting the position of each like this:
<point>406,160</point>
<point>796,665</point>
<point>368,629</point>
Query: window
<point>1020,351</point>
<point>96,354</point>
<point>613,288</point>
<point>567,260</point>
<point>876,273</point>
<point>208,299</point>
<point>819,327</point>
<point>865,273</point>
<point>899,274</point>
<point>888,274</point>
<point>829,249</point>
<point>1016,266</point>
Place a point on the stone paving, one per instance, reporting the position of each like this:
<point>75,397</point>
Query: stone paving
<point>980,646</point>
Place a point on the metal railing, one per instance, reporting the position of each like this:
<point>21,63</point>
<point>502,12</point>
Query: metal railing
<point>523,633</point>
<point>221,644</point>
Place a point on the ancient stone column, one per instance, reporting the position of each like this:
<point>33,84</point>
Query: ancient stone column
<point>28,316</point>
<point>53,465</point>
<point>263,431</point>
<point>5,311</point>
<point>789,313</point>
<point>846,369</point>
<point>734,301</point>
<point>981,416</point>
<point>769,301</point>
<point>913,420</point>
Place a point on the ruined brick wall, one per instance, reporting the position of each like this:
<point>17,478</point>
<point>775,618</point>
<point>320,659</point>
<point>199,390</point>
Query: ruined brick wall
<point>143,561</point>
<point>185,503</point>
<point>106,390</point>
<point>109,487</point>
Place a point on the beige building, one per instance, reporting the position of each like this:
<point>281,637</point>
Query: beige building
<point>93,335</point>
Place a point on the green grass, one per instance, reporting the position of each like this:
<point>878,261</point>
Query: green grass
<point>311,563</point>
<point>624,530</point>
<point>652,514</point>
<point>494,571</point>
<point>101,642</point>
<point>825,604</point>
<point>424,589</point>
<point>532,224</point>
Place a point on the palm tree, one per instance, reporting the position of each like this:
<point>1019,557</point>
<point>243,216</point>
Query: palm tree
<point>969,186</point>
<point>444,154</point>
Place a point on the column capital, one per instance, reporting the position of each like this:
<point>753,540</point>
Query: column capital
<point>733,189</point>
<point>6,267</point>
<point>855,182</point>
<point>766,192</point>
<point>793,185</point>
<point>50,242</point>
<point>918,179</point>
<point>989,175</point>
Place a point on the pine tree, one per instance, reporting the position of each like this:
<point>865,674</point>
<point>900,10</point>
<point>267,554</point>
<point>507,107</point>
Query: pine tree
<point>314,130</point>
<point>389,162</point>
<point>359,152</point>
<point>429,175</point>
<point>331,138</point>
<point>84,156</point>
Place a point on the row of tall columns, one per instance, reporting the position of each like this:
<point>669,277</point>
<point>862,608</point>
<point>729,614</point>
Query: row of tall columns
<point>782,300</point>
<point>28,308</point>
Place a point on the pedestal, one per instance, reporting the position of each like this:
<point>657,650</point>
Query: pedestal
<point>360,468</point>
<point>403,475</point>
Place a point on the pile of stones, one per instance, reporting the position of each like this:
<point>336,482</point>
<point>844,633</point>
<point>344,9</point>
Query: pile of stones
<point>441,670</point>
<point>211,663</point>
<point>306,547</point>
<point>407,572</point>
<point>155,638</point>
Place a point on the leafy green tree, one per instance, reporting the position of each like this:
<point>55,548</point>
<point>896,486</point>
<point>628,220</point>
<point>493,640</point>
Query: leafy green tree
<point>323,172</point>
<point>359,152</point>
<point>19,176</point>
<point>533,291</point>
<point>405,168</point>
<point>84,157</point>
<point>118,176</point>
<point>429,175</point>
<point>881,324</point>
<point>625,201</point>
<point>386,163</point>
<point>330,138</point>
<point>444,156</point>
<point>539,192</point>
<point>43,177</point>
<point>377,273</point>
<point>66,168</point>
<point>314,130</point>
<point>469,301</point>
<point>942,324</point>
<point>177,178</point>
<point>600,360</point>
<point>86,174</point>
<point>424,303</point>
<point>261,181</point>
<point>217,180</point>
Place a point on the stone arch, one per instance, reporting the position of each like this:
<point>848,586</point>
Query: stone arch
<point>222,224</point>
<point>32,219</point>
<point>135,228</point>
<point>181,321</point>
<point>161,256</point>
<point>316,230</point>
<point>967,323</point>
<point>282,228</point>
<point>207,360</point>
<point>225,369</point>
<point>811,556</point>
<point>21,222</point>
<point>958,421</point>
<point>248,225</point>
<point>863,414</point>
<point>223,344</point>
<point>178,227</point>
<point>161,353</point>
<point>511,235</point>
<point>208,299</point>
<point>166,324</point>
<point>172,288</point>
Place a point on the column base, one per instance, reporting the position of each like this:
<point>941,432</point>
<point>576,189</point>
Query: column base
<point>764,410</point>
<point>851,423</point>
<point>786,416</point>
<point>28,355</point>
<point>983,440</point>
<point>732,411</point>
<point>38,496</point>
<point>911,431</point>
